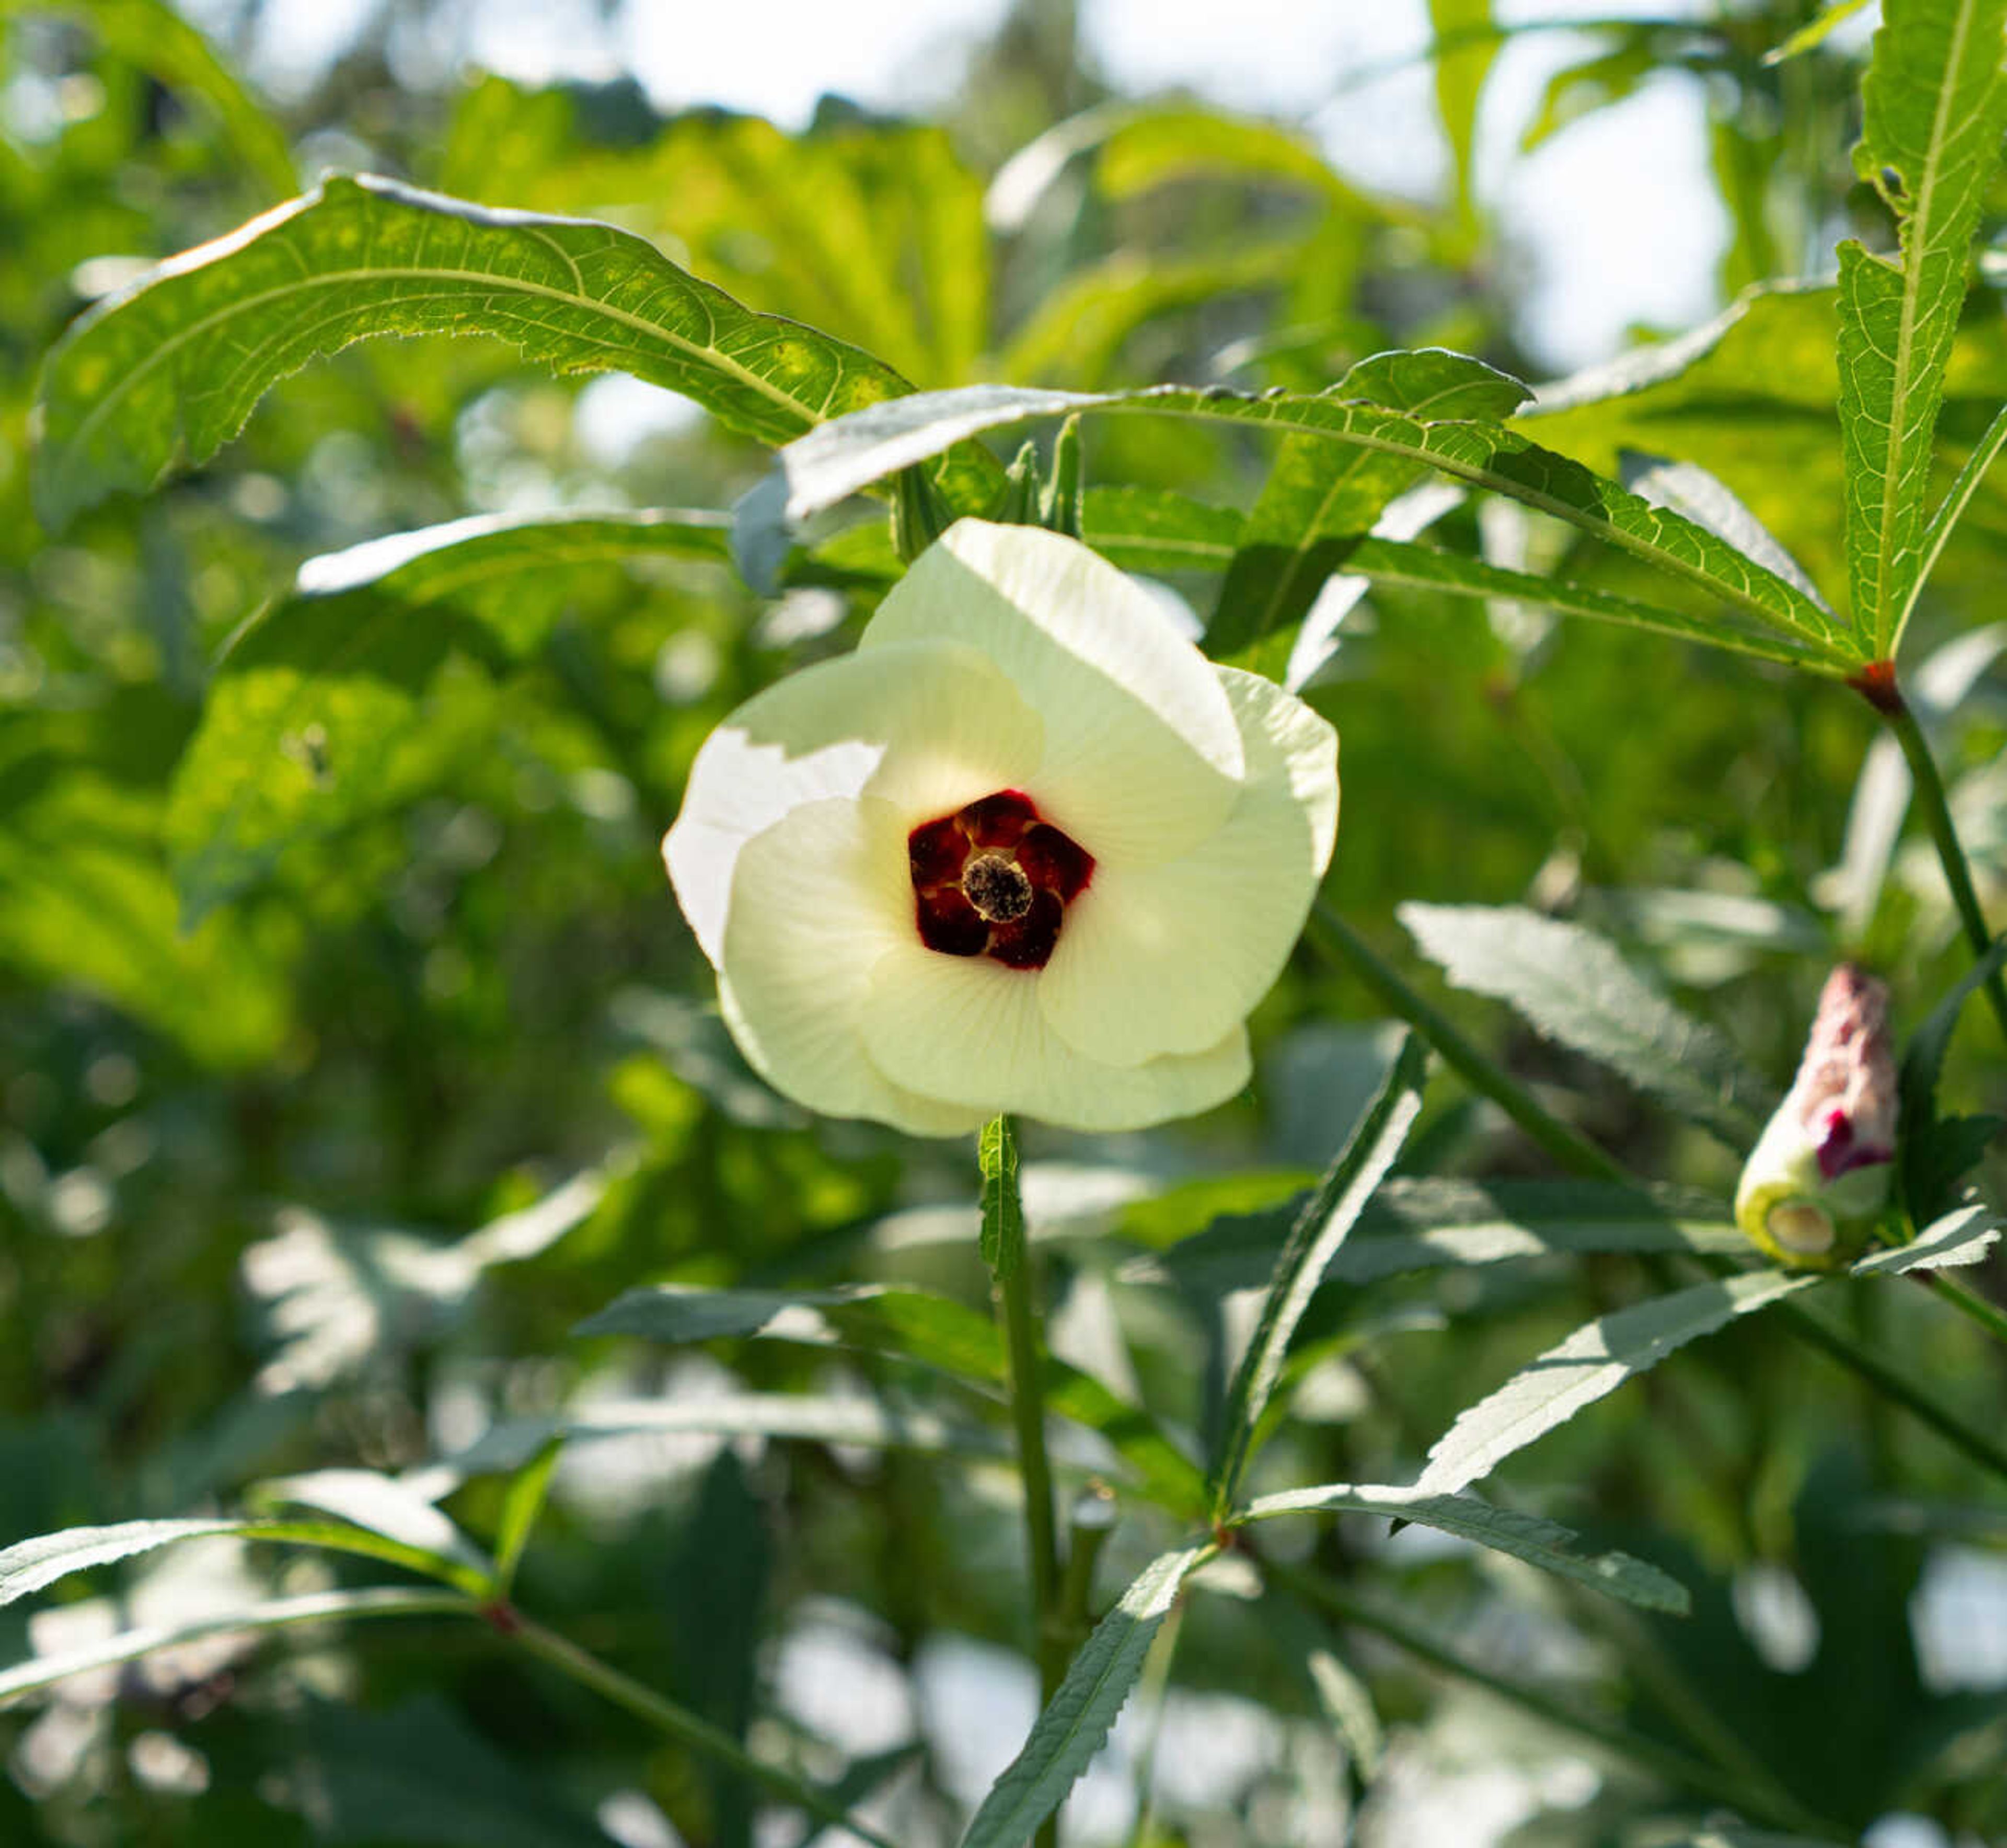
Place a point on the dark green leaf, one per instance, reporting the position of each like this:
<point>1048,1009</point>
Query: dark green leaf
<point>1573,985</point>
<point>1072,1729</point>
<point>169,370</point>
<point>1543,1544</point>
<point>1929,1164</point>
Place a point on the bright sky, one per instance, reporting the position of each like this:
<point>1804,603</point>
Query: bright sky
<point>1614,218</point>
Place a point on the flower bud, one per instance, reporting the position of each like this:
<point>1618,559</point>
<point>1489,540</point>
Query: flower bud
<point>1819,1173</point>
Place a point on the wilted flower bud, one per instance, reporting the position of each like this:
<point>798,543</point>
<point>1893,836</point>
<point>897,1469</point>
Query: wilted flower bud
<point>1820,1168</point>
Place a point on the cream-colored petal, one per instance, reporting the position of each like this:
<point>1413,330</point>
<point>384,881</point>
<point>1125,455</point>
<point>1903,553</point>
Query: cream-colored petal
<point>818,899</point>
<point>1142,756</point>
<point>1166,958</point>
<point>927,726</point>
<point>968,1031</point>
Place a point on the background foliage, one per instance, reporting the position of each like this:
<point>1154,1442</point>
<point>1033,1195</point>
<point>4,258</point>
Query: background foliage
<point>352,1054</point>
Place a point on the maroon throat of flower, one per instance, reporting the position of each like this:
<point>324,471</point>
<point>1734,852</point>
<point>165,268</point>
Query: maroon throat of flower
<point>995,879</point>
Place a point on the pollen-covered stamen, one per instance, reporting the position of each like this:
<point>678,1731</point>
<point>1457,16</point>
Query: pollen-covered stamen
<point>996,885</point>
<point>994,879</point>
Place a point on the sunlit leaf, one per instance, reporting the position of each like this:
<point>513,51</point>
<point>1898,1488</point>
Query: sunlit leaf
<point>1934,103</point>
<point>1543,1544</point>
<point>168,371</point>
<point>1963,1236</point>
<point>852,452</point>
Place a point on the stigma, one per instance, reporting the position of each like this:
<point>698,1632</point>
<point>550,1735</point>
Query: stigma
<point>994,879</point>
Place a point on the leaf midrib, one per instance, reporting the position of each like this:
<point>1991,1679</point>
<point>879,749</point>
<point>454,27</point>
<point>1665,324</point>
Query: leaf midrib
<point>516,285</point>
<point>1912,253</point>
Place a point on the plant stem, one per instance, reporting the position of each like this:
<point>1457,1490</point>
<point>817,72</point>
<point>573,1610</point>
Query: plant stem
<point>1666,1763</point>
<point>1577,1154</point>
<point>685,1727</point>
<point>1895,713</point>
<point>1989,1316</point>
<point>1568,1146</point>
<point>1004,1244</point>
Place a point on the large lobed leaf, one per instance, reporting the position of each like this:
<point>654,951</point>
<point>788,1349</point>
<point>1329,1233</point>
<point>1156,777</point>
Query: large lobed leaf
<point>169,370</point>
<point>850,453</point>
<point>1573,985</point>
<point>1934,104</point>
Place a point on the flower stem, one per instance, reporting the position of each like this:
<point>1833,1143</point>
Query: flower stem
<point>1989,1316</point>
<point>1665,1762</point>
<point>1004,1246</point>
<point>685,1727</point>
<point>1895,713</point>
<point>1574,1152</point>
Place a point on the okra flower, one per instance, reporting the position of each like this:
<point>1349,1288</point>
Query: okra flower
<point>1025,849</point>
<point>1820,1170</point>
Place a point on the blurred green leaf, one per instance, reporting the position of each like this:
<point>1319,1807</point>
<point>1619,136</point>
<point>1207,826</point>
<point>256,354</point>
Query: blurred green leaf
<point>1934,1155</point>
<point>339,701</point>
<point>934,1330</point>
<point>381,1505</point>
<point>1543,1544</point>
<point>1072,1728</point>
<point>169,370</point>
<point>1934,104</point>
<point>1574,986</point>
<point>1466,49</point>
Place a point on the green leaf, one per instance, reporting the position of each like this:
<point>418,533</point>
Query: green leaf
<point>1320,1229</point>
<point>335,702</point>
<point>1419,567</point>
<point>934,1330</point>
<point>1934,105</point>
<point>1592,1362</point>
<point>379,1504</point>
<point>1162,147</point>
<point>1573,985</point>
<point>1072,1727</point>
<point>1319,500</point>
<point>168,370</point>
<point>1543,1544</point>
<point>522,1502</point>
<point>850,453</point>
<point>1815,33</point>
<point>1927,1163</point>
<point>1002,1241</point>
<point>1464,49</point>
<point>1426,1224</point>
<point>1963,1236</point>
<point>1152,530</point>
<point>277,1613</point>
<point>155,38</point>
<point>29,1565</point>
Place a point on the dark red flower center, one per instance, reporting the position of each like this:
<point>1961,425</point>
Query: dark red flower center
<point>994,879</point>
